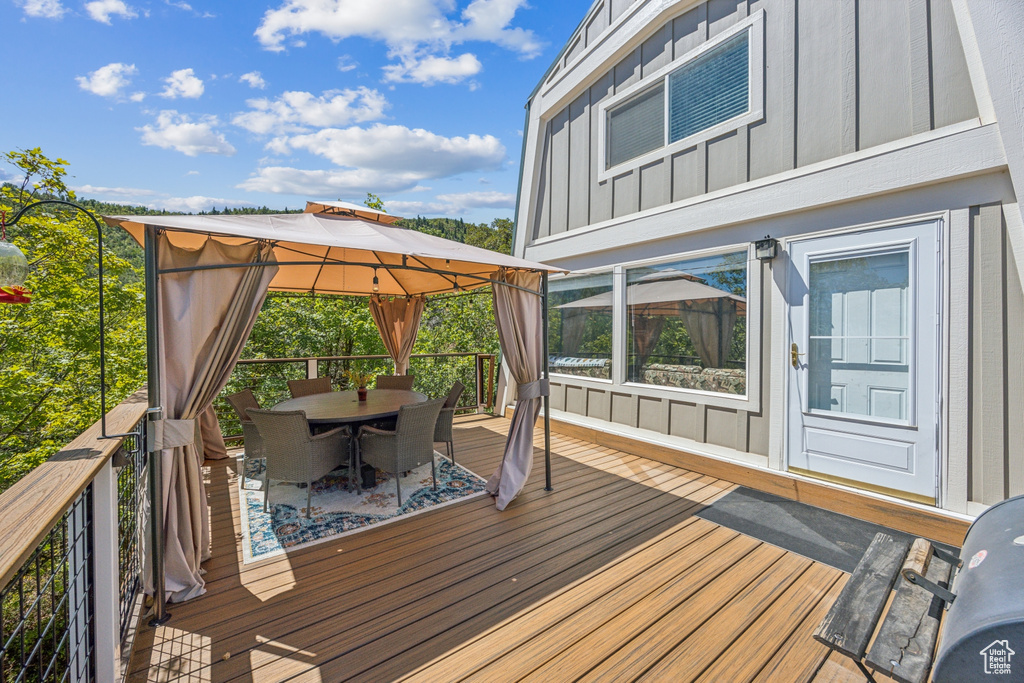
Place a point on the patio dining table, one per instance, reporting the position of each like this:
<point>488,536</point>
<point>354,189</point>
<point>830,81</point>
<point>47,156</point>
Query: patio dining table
<point>345,408</point>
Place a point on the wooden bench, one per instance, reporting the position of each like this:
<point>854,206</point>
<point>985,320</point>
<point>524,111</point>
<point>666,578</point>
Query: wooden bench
<point>904,643</point>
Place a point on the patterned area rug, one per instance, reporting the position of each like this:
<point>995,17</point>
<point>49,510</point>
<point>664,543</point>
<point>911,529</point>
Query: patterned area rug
<point>336,512</point>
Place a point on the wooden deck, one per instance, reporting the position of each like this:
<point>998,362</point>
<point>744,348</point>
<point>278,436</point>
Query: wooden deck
<point>608,577</point>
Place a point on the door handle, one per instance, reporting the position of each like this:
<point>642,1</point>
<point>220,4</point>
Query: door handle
<point>794,356</point>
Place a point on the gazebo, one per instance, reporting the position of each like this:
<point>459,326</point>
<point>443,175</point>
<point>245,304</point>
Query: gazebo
<point>206,280</point>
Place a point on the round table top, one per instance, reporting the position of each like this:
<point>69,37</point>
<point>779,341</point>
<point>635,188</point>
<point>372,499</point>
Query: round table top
<point>338,407</point>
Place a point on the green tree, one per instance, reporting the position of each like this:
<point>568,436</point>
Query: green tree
<point>49,348</point>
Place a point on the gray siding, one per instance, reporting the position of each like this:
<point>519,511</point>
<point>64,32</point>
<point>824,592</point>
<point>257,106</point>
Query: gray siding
<point>840,76</point>
<point>996,384</point>
<point>737,429</point>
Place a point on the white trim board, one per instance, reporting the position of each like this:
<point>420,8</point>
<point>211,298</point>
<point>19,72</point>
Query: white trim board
<point>953,152</point>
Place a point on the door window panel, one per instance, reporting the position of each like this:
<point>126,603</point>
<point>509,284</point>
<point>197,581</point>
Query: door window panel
<point>860,336</point>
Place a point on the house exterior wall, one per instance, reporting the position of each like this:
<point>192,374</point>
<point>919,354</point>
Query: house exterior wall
<point>996,454</point>
<point>876,112</point>
<point>839,77</point>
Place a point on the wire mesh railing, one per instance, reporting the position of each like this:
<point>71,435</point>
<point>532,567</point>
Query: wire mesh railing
<point>131,519</point>
<point>47,632</point>
<point>71,562</point>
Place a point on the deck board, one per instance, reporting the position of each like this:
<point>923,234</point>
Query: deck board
<point>609,577</point>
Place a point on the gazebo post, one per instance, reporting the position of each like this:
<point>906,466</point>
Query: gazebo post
<point>547,401</point>
<point>155,412</point>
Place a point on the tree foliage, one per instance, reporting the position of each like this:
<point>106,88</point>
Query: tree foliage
<point>49,349</point>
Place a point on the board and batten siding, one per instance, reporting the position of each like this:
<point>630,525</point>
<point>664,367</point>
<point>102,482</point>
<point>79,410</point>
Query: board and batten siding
<point>685,417</point>
<point>839,76</point>
<point>996,370</point>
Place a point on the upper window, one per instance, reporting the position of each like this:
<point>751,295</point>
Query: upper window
<point>709,91</point>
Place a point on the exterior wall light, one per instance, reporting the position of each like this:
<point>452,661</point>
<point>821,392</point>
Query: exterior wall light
<point>766,249</point>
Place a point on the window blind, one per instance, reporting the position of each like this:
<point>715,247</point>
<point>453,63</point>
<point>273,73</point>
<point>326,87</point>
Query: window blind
<point>711,89</point>
<point>636,126</point>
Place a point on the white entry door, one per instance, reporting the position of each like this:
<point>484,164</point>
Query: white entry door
<point>864,359</point>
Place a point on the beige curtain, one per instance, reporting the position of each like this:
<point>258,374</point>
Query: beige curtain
<point>710,325</point>
<point>646,333</point>
<point>205,319</point>
<point>520,327</point>
<point>398,321</point>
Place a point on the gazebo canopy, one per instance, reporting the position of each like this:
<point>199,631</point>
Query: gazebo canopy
<point>339,254</point>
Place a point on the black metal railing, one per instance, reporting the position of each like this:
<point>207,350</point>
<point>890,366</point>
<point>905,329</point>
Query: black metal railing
<point>71,562</point>
<point>131,511</point>
<point>47,632</point>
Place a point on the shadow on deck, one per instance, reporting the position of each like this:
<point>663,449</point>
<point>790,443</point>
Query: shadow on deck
<point>610,576</point>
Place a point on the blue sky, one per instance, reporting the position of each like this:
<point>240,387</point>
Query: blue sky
<point>187,105</point>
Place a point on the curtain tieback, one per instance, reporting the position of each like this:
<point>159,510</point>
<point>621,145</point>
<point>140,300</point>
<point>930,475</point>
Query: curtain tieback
<point>171,434</point>
<point>534,389</point>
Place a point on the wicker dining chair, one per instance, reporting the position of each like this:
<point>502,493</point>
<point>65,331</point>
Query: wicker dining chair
<point>395,382</point>
<point>308,387</point>
<point>406,448</point>
<point>252,442</point>
<point>446,420</point>
<point>292,454</point>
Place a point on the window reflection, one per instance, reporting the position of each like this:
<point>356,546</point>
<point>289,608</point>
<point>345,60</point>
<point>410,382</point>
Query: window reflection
<point>580,326</point>
<point>687,323</point>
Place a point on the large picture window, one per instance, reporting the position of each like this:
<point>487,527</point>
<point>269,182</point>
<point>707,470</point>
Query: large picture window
<point>687,323</point>
<point>580,325</point>
<point>709,91</point>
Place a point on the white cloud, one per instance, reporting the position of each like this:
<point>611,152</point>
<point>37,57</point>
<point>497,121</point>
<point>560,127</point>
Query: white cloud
<point>454,204</point>
<point>45,9</point>
<point>195,203</point>
<point>488,20</point>
<point>107,81</point>
<point>376,159</point>
<point>400,149</point>
<point>192,173</point>
<point>480,200</point>
<point>192,138</point>
<point>158,201</point>
<point>433,69</point>
<point>414,30</point>
<point>346,63</point>
<point>102,10</point>
<point>120,193</point>
<point>254,79</point>
<point>298,112</point>
<point>285,180</point>
<point>182,83</point>
<point>137,96</point>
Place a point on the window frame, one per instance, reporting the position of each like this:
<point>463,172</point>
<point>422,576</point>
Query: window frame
<point>753,334</point>
<point>754,26</point>
<point>751,402</point>
<point>610,272</point>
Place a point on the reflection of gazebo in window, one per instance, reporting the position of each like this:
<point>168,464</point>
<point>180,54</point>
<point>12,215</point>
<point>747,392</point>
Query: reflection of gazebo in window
<point>707,313</point>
